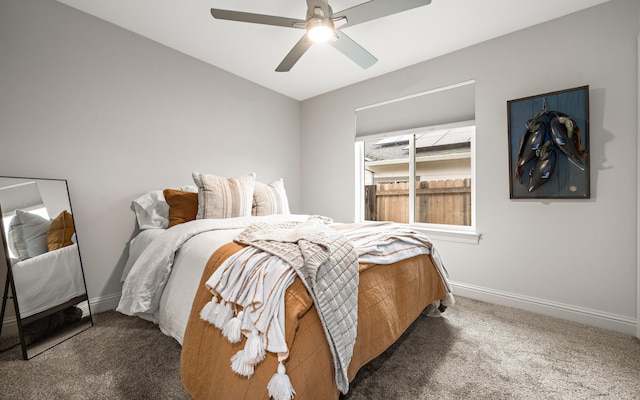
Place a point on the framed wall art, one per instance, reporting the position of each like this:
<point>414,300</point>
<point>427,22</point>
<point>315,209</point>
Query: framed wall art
<point>549,145</point>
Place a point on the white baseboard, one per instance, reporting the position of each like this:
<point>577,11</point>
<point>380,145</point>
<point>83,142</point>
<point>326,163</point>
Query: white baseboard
<point>614,322</point>
<point>9,326</point>
<point>104,303</point>
<point>610,321</point>
<point>98,305</point>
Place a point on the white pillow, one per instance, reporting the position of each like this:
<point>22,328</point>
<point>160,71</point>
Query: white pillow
<point>270,199</point>
<point>152,210</point>
<point>220,197</point>
<point>28,235</point>
<point>189,188</point>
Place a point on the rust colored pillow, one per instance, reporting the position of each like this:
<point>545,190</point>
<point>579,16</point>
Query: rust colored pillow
<point>183,206</point>
<point>60,231</point>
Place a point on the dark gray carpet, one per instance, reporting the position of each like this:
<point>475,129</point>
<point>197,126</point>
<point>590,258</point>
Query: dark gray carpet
<point>475,351</point>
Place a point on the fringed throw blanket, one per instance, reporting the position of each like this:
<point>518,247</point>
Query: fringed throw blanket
<point>389,242</point>
<point>248,291</point>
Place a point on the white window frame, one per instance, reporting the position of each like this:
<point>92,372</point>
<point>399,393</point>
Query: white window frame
<point>454,233</point>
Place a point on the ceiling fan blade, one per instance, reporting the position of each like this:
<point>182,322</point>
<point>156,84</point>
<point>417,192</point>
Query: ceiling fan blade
<point>258,18</point>
<point>294,55</point>
<point>375,9</point>
<point>353,50</point>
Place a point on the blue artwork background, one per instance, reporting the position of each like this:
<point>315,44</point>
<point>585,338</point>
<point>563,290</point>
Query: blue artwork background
<point>567,181</point>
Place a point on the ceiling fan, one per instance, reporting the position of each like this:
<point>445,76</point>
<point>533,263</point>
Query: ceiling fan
<point>322,25</point>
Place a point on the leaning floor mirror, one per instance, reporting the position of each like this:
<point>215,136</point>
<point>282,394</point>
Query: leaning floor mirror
<point>41,265</point>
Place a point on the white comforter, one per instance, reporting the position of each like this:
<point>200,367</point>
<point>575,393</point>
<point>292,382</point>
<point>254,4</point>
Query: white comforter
<point>164,279</point>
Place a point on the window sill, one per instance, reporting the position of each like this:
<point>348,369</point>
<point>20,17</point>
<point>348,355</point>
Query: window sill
<point>468,237</point>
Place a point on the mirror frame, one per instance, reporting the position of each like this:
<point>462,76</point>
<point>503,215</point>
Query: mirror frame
<point>52,338</point>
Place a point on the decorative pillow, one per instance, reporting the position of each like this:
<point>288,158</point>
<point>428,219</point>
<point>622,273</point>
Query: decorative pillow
<point>183,206</point>
<point>28,235</point>
<point>220,197</point>
<point>189,188</point>
<point>270,199</point>
<point>152,211</point>
<point>60,231</point>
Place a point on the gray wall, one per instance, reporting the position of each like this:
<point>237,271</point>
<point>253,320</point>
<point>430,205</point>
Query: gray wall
<point>575,259</point>
<point>117,115</point>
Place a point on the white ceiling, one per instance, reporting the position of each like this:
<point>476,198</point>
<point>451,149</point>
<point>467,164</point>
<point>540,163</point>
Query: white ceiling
<point>253,51</point>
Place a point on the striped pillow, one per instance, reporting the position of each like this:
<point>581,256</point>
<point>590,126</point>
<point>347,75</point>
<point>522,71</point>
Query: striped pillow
<point>220,197</point>
<point>270,199</point>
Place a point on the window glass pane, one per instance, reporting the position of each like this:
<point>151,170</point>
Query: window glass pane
<point>386,174</point>
<point>443,176</point>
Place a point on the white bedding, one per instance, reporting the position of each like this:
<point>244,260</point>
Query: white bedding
<point>175,304</point>
<point>171,313</point>
<point>163,278</point>
<point>137,246</point>
<point>48,280</point>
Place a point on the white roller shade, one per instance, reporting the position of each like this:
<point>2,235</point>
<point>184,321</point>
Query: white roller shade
<point>440,106</point>
<point>20,196</point>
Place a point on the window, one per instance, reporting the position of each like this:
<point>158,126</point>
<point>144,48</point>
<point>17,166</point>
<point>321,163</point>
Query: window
<point>415,161</point>
<point>422,176</point>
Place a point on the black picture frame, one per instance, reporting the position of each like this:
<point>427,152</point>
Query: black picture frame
<point>548,137</point>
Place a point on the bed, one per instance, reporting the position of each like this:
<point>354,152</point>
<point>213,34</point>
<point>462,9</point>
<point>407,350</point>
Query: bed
<point>166,278</point>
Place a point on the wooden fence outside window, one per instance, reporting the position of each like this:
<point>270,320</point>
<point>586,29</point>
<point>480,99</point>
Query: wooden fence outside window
<point>437,202</point>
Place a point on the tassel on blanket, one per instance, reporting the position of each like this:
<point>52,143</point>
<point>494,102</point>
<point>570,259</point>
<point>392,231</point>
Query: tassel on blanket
<point>244,361</point>
<point>209,310</point>
<point>240,366</point>
<point>232,330</point>
<point>254,349</point>
<point>432,310</point>
<point>225,313</point>
<point>436,308</point>
<point>449,300</point>
<point>279,386</point>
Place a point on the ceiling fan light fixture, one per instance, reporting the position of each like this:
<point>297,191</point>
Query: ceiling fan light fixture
<point>320,29</point>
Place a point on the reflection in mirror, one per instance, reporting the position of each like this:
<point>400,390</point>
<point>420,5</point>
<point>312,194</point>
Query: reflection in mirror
<point>42,263</point>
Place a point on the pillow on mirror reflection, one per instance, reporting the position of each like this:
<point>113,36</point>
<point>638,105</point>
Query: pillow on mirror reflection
<point>183,206</point>
<point>28,235</point>
<point>60,231</point>
<point>152,211</point>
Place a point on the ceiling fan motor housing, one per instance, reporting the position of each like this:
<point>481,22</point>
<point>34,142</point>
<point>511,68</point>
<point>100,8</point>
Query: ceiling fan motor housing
<point>320,29</point>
